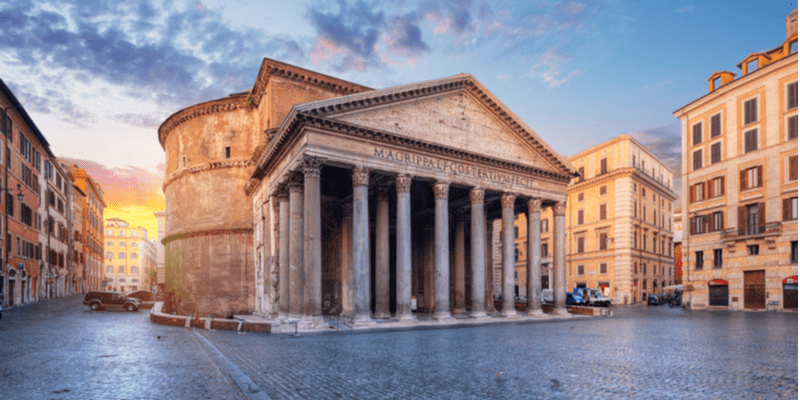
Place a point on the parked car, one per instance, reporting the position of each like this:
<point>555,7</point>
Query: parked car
<point>97,300</point>
<point>547,296</point>
<point>653,300</point>
<point>142,295</point>
<point>573,300</point>
<point>596,297</point>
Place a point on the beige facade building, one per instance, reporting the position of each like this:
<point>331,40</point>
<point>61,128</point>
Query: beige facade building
<point>316,172</point>
<point>92,206</point>
<point>129,256</point>
<point>739,184</point>
<point>619,224</point>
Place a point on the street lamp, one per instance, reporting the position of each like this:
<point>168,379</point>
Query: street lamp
<point>8,190</point>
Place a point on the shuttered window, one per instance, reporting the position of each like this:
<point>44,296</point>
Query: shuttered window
<point>580,244</point>
<point>750,178</point>
<point>716,127</point>
<point>750,140</point>
<point>716,187</point>
<point>790,209</point>
<point>580,217</point>
<point>750,111</point>
<point>698,192</point>
<point>716,153</point>
<point>602,212</point>
<point>791,95</point>
<point>697,133</point>
<point>580,172</point>
<point>603,241</point>
<point>603,166</point>
<point>791,127</point>
<point>793,168</point>
<point>697,160</point>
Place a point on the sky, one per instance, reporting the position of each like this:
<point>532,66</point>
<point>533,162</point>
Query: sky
<point>98,77</point>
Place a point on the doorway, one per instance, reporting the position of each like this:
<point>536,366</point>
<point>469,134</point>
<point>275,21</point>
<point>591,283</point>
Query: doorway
<point>755,293</point>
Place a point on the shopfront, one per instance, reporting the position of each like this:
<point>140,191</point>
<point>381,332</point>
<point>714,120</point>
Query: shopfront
<point>718,292</point>
<point>790,293</point>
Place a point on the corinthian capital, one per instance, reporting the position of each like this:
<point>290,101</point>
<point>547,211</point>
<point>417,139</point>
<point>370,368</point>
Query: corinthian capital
<point>295,181</point>
<point>560,208</point>
<point>535,205</point>
<point>441,189</point>
<point>507,200</point>
<point>403,183</point>
<point>476,195</point>
<point>361,176</point>
<point>312,166</point>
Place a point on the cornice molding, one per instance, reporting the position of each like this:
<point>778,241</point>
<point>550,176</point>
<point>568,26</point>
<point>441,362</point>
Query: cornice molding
<point>206,232</point>
<point>274,68</point>
<point>231,103</point>
<point>304,120</point>
<point>206,167</point>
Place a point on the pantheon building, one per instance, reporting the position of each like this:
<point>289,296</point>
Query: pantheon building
<point>308,196</point>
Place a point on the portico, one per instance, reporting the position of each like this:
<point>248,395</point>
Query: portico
<point>390,195</point>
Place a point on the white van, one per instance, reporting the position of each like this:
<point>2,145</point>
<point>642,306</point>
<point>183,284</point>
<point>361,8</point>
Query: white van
<point>547,296</point>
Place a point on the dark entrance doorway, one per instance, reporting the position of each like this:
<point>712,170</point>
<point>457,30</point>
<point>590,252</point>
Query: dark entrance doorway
<point>790,293</point>
<point>718,292</point>
<point>755,293</point>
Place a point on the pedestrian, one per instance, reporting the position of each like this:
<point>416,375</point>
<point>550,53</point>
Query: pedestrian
<point>585,297</point>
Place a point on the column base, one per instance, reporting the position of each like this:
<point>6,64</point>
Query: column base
<point>295,317</point>
<point>406,319</point>
<point>361,321</point>
<point>479,315</point>
<point>312,323</point>
<point>560,312</point>
<point>460,310</point>
<point>381,315</point>
<point>509,313</point>
<point>442,316</point>
<point>538,313</point>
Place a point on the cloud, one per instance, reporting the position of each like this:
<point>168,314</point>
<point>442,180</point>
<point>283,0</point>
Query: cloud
<point>549,68</point>
<point>665,143</point>
<point>125,185</point>
<point>685,9</point>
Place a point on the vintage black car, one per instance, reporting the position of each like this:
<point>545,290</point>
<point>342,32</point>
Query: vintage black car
<point>97,300</point>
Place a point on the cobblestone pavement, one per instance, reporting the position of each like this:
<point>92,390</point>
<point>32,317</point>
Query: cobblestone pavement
<point>62,350</point>
<point>641,352</point>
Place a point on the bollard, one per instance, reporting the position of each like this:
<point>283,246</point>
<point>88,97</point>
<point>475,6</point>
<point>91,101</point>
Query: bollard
<point>188,321</point>
<point>241,326</point>
<point>209,319</point>
<point>295,327</point>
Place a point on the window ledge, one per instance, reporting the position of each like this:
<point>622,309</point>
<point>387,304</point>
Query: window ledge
<point>751,197</point>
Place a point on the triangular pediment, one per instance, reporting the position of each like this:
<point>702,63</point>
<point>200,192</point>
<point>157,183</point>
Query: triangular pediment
<point>455,112</point>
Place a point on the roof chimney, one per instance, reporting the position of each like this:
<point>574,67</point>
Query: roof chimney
<point>791,24</point>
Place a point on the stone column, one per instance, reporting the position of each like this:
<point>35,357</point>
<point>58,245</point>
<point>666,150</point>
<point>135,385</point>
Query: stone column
<point>534,265</point>
<point>382,255</point>
<point>459,264</point>
<point>312,258</point>
<point>507,201</point>
<point>361,246</point>
<point>347,259</point>
<point>296,228</point>
<point>442,251</point>
<point>403,236</point>
<point>283,250</point>
<point>559,260</point>
<point>489,250</point>
<point>478,256</point>
<point>428,268</point>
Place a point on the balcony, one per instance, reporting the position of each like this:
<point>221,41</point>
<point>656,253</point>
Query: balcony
<point>752,231</point>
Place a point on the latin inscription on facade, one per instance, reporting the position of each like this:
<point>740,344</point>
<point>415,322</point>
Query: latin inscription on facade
<point>467,171</point>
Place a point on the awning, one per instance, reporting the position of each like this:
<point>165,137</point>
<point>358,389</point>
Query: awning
<point>717,282</point>
<point>790,280</point>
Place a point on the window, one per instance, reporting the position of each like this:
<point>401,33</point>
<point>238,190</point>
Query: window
<point>544,250</point>
<point>580,245</point>
<point>134,270</point>
<point>516,232</point>
<point>717,223</point>
<point>716,152</point>
<point>120,255</point>
<point>698,260</point>
<point>134,234</point>
<point>644,212</point>
<point>698,192</point>
<point>750,178</point>
<point>122,243</point>
<point>717,81</point>
<point>717,258</point>
<point>752,221</point>
<point>752,65</point>
<point>717,187</point>
<point>793,47</point>
<point>580,172</point>
<point>644,270</point>
<point>603,166</point>
<point>636,240</point>
<point>635,209</point>
<point>603,241</point>
<point>109,255</point>
<point>716,127</point>
<point>603,190</point>
<point>750,111</point>
<point>228,152</point>
<point>134,255</point>
<point>794,252</point>
<point>134,244</point>
<point>791,95</point>
<point>752,250</point>
<point>751,140</point>
<point>603,268</point>
<point>545,226</point>
<point>602,212</point>
<point>698,224</point>
<point>122,233</point>
<point>109,243</point>
<point>580,196</point>
<point>109,269</point>
<point>121,269</point>
<point>697,159</point>
<point>109,232</point>
<point>580,217</point>
<point>580,269</point>
<point>790,209</point>
<point>697,134</point>
<point>791,127</point>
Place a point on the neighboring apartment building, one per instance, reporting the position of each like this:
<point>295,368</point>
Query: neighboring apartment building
<point>130,258</point>
<point>740,184</point>
<point>619,225</point>
<point>78,258</point>
<point>677,228</point>
<point>92,206</point>
<point>56,212</point>
<point>21,273</point>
